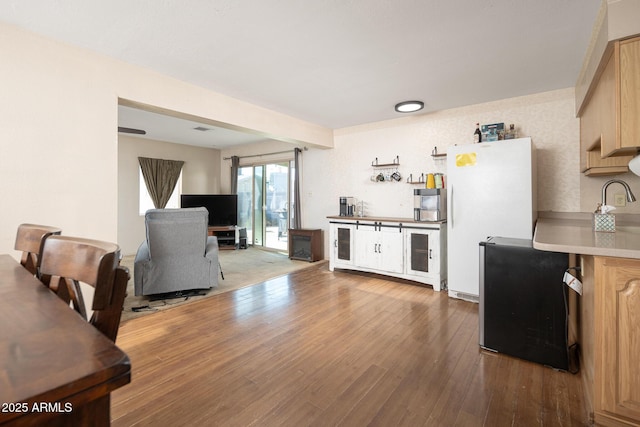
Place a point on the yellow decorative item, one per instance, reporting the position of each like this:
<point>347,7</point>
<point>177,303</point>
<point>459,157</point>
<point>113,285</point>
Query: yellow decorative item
<point>431,181</point>
<point>465,159</point>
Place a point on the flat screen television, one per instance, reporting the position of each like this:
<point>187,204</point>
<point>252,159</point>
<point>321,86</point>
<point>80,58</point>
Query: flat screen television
<point>223,208</point>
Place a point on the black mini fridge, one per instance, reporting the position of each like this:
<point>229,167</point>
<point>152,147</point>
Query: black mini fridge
<point>523,301</point>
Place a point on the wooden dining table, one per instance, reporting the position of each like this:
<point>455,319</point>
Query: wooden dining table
<point>55,368</point>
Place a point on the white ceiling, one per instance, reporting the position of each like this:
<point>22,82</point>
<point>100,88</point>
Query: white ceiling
<point>333,63</point>
<point>159,127</point>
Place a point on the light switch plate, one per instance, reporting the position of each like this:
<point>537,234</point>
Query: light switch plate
<point>619,200</point>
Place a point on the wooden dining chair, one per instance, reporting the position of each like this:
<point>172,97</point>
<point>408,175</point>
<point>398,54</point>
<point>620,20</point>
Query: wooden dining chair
<point>29,240</point>
<point>66,262</point>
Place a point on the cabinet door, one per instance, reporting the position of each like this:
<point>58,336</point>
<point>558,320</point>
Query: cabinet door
<point>605,120</point>
<point>341,245</point>
<point>422,252</point>
<point>367,242</point>
<point>617,337</point>
<point>379,248</point>
<point>390,250</point>
<point>606,100</point>
<point>630,93</point>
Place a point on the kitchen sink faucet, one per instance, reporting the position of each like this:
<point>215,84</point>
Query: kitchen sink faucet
<point>630,196</point>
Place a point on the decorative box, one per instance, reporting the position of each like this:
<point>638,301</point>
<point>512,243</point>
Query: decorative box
<point>492,132</point>
<point>604,222</point>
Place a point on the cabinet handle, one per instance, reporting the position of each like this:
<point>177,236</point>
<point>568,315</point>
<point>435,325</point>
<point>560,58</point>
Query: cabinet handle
<point>451,206</point>
<point>335,243</point>
<point>430,252</point>
<point>379,248</point>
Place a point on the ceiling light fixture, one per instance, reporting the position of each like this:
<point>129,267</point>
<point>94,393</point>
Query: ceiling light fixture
<point>409,106</point>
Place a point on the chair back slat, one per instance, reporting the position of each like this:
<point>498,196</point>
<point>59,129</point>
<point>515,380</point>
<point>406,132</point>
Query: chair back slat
<point>108,321</point>
<point>30,239</point>
<point>68,260</point>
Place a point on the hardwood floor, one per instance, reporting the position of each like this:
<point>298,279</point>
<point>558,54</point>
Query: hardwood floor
<point>325,348</point>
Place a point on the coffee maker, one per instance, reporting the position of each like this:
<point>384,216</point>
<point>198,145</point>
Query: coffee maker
<point>430,204</point>
<point>346,206</point>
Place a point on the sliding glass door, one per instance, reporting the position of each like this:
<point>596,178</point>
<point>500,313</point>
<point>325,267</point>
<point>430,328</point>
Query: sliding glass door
<point>264,196</point>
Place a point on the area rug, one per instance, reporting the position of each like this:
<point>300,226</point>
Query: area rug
<point>241,268</point>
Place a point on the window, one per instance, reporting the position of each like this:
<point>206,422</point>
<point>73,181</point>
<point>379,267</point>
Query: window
<point>145,199</point>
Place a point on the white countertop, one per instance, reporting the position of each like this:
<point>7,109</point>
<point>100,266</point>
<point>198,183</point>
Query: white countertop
<point>573,233</point>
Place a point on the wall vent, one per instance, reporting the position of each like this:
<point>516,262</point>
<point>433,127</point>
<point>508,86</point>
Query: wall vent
<point>464,296</point>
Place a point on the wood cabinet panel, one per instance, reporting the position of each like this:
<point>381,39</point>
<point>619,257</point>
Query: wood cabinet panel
<point>586,332</point>
<point>617,340</point>
<point>630,93</point>
<point>590,135</point>
<point>597,166</point>
<point>607,105</point>
<point>620,100</point>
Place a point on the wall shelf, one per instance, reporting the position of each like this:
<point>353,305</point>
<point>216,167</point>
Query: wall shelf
<point>422,180</point>
<point>396,162</point>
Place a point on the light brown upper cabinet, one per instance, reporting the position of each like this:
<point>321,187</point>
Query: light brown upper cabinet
<point>609,123</point>
<point>621,86</point>
<point>628,126</point>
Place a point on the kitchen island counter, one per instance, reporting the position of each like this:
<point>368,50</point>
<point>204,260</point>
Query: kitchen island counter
<point>573,233</point>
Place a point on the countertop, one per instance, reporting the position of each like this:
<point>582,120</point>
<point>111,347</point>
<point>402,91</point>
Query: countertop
<point>564,232</point>
<point>383,219</point>
<point>573,233</point>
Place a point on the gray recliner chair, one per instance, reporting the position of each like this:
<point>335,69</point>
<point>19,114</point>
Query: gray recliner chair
<point>177,254</point>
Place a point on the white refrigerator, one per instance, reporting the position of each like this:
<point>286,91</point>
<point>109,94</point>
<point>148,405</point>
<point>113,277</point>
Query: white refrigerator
<point>491,192</point>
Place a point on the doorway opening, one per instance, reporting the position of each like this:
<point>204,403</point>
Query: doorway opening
<point>265,201</point>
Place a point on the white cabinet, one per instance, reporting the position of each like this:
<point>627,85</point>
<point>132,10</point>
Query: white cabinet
<point>425,253</point>
<point>379,246</point>
<point>395,247</point>
<point>341,242</point>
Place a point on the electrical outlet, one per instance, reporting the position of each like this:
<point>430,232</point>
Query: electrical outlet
<point>619,200</point>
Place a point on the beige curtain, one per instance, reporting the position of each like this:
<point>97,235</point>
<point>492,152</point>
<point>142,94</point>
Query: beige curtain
<point>161,177</point>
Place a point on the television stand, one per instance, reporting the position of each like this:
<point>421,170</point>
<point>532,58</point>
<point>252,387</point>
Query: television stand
<point>228,236</point>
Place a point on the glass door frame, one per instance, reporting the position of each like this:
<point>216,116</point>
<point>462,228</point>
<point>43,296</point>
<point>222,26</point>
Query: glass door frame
<point>258,235</point>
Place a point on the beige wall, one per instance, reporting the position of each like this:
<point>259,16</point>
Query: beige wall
<point>58,139</point>
<point>200,174</point>
<point>591,192</point>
